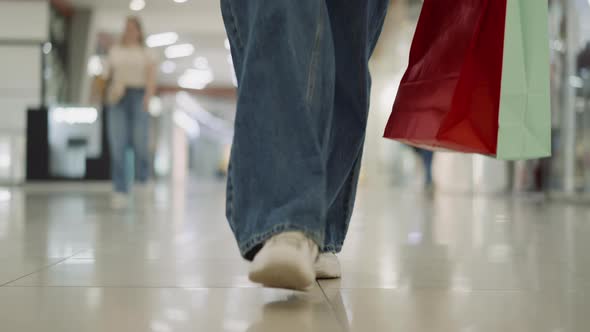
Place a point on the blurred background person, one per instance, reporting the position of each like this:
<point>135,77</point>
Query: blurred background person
<point>132,81</point>
<point>426,156</point>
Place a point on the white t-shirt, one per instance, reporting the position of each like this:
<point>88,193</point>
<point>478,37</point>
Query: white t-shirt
<point>128,65</point>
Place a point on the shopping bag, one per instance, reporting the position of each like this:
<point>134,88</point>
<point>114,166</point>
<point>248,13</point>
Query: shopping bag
<point>525,105</point>
<point>477,80</point>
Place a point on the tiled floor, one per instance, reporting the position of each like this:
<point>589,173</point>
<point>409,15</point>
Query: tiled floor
<point>68,263</point>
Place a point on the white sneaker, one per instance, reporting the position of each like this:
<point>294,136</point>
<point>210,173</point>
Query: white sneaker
<point>285,261</point>
<point>327,266</point>
<point>119,200</point>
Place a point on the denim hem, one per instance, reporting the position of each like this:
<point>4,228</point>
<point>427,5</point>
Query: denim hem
<point>333,248</point>
<point>119,188</point>
<point>259,239</point>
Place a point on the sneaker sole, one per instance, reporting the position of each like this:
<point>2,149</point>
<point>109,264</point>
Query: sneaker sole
<point>327,276</point>
<point>282,275</point>
<point>276,272</point>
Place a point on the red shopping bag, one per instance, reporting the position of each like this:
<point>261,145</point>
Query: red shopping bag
<point>449,97</point>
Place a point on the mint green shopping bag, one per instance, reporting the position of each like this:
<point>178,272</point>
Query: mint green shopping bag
<point>525,114</point>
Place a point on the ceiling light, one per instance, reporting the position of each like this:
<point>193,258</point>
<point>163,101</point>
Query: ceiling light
<point>196,79</point>
<point>201,63</point>
<point>162,39</point>
<point>168,67</point>
<point>179,51</point>
<point>137,5</point>
<point>180,1</point>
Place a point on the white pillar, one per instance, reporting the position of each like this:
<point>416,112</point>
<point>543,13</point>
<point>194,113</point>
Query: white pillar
<point>568,129</point>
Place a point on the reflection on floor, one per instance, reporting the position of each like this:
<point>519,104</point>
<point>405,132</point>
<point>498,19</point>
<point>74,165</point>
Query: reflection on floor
<point>68,263</point>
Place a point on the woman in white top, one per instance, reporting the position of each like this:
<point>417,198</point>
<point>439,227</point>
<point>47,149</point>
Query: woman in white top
<point>132,84</point>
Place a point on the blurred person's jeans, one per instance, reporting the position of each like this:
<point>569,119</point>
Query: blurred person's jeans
<point>303,101</point>
<point>128,128</point>
<point>427,158</point>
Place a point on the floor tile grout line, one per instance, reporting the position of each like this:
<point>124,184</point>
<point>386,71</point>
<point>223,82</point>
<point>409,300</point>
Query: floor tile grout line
<point>130,287</point>
<point>342,324</point>
<point>482,290</point>
<point>46,267</point>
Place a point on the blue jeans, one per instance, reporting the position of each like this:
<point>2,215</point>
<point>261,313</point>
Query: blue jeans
<point>128,128</point>
<point>427,159</point>
<point>303,100</point>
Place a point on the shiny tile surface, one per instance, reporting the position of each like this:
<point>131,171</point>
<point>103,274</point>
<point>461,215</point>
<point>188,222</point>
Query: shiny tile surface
<point>74,309</point>
<point>474,311</point>
<point>463,263</point>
